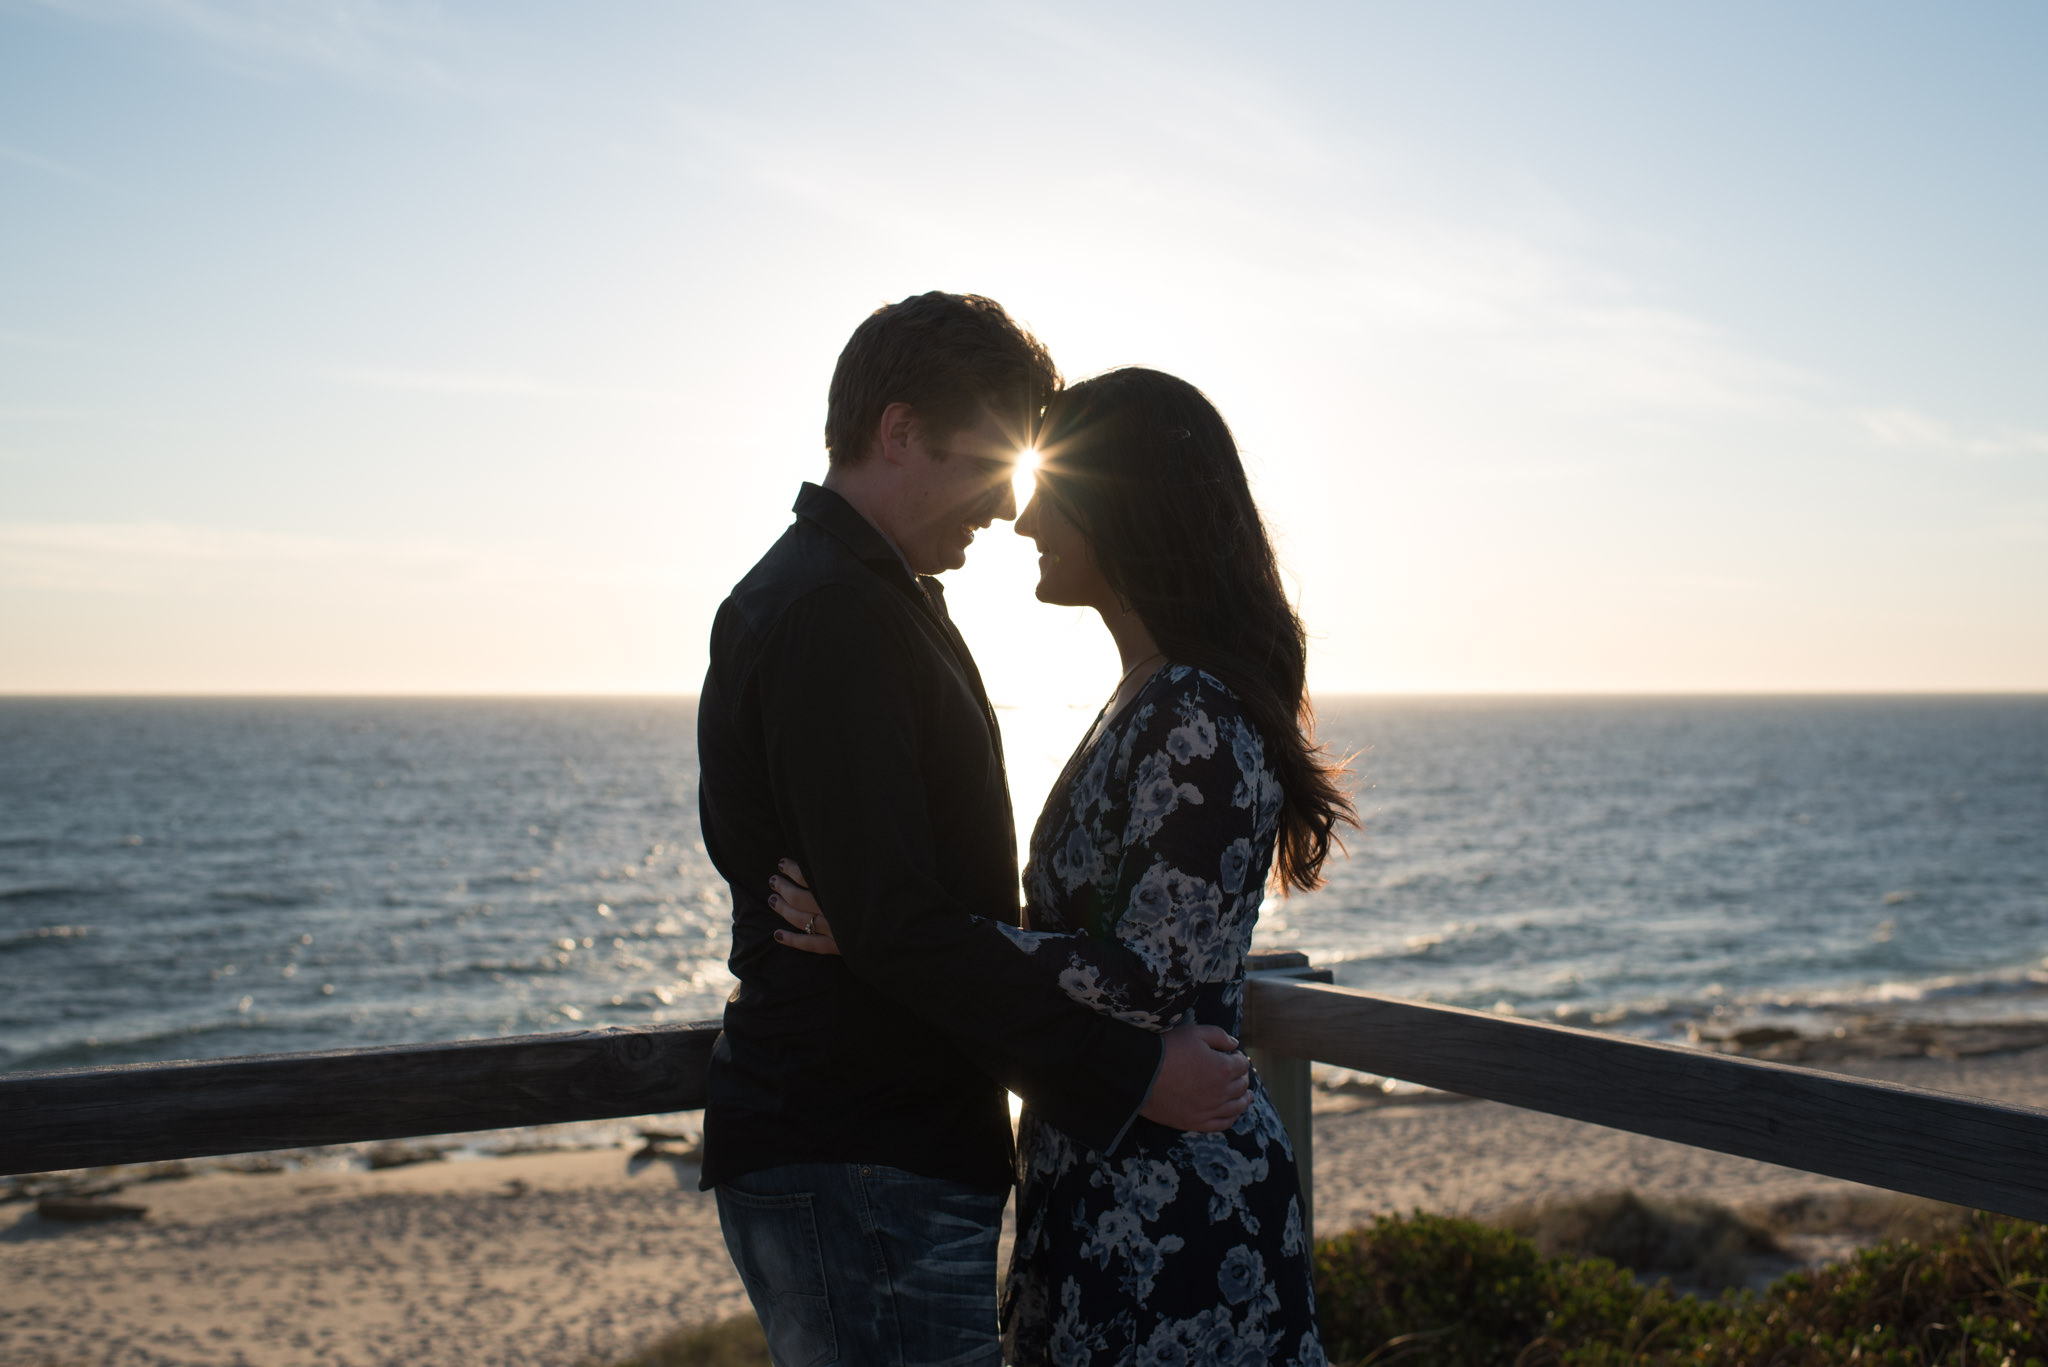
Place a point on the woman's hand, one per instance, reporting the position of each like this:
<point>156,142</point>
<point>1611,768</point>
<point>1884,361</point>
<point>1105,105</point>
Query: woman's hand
<point>789,896</point>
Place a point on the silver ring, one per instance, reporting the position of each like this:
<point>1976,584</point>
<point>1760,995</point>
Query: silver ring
<point>808,924</point>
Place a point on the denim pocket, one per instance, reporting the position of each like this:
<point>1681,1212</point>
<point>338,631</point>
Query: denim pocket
<point>774,1243</point>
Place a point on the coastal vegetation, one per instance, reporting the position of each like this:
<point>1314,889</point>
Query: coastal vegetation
<point>1619,1281</point>
<point>736,1342</point>
<point>1433,1289</point>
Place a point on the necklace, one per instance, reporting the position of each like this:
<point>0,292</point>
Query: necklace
<point>1155,655</point>
<point>1109,709</point>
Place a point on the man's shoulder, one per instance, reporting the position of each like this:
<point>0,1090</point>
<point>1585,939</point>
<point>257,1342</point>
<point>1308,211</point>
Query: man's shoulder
<point>806,566</point>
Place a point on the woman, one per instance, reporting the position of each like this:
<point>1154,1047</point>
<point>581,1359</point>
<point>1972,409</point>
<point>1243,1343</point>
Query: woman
<point>1198,783</point>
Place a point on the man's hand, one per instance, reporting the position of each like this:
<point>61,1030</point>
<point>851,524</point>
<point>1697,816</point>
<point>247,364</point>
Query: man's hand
<point>1204,1084</point>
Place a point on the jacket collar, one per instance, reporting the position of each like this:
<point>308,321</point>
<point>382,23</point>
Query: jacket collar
<point>840,518</point>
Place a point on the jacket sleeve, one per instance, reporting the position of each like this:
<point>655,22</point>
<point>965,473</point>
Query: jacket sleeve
<point>842,746</point>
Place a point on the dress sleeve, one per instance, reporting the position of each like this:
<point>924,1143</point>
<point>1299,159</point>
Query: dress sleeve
<point>1175,843</point>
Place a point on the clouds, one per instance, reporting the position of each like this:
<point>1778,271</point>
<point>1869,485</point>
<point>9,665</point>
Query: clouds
<point>481,304</point>
<point>1164,185</point>
<point>171,607</point>
<point>377,41</point>
<point>35,341</point>
<point>484,385</point>
<point>171,560</point>
<point>1910,430</point>
<point>48,166</point>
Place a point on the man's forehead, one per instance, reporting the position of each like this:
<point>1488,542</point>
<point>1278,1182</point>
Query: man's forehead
<point>993,434</point>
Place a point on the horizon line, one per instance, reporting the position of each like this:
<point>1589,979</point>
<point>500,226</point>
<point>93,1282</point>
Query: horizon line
<point>396,695</point>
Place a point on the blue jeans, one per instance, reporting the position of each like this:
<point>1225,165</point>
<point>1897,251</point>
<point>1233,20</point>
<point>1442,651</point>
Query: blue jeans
<point>866,1265</point>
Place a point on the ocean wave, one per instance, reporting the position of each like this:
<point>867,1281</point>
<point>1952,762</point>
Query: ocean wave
<point>41,935</point>
<point>42,892</point>
<point>1593,862</point>
<point>504,880</point>
<point>1894,993</point>
<point>267,897</point>
<point>144,1047</point>
<point>496,967</point>
<point>1543,932</point>
<point>2016,992</point>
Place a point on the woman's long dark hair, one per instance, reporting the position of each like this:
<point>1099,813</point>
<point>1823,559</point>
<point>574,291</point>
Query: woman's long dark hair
<point>1146,468</point>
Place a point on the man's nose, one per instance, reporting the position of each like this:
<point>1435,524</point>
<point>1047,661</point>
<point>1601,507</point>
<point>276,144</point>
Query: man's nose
<point>1006,503</point>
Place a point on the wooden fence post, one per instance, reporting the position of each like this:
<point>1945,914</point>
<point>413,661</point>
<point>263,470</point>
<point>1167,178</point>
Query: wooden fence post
<point>1287,1080</point>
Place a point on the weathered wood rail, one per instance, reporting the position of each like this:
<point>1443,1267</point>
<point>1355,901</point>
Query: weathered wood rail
<point>1951,1148</point>
<point>147,1112</point>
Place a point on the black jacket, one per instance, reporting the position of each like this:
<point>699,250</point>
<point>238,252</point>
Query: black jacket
<point>843,724</point>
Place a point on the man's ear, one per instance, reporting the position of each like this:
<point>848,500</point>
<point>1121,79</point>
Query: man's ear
<point>896,435</point>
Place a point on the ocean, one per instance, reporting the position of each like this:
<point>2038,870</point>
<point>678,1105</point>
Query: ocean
<point>198,878</point>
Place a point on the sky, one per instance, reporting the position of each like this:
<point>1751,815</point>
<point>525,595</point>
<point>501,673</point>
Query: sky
<point>351,346</point>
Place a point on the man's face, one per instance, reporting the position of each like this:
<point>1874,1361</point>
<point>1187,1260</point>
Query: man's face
<point>955,484</point>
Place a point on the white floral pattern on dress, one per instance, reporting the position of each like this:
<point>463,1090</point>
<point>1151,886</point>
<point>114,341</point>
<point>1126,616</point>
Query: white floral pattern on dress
<point>1147,871</point>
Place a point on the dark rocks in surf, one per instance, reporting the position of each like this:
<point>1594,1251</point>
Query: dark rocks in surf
<point>78,1209</point>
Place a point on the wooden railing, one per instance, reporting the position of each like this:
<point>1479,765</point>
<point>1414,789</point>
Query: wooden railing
<point>1972,1152</point>
<point>1951,1148</point>
<point>147,1112</point>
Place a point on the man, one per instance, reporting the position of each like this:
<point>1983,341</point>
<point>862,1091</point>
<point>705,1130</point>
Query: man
<point>857,1134</point>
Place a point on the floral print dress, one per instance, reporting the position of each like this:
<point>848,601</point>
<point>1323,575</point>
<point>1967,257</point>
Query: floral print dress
<point>1147,869</point>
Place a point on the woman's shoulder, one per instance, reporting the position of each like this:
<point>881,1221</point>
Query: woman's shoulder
<point>1197,680</point>
<point>1177,692</point>
<point>1187,714</point>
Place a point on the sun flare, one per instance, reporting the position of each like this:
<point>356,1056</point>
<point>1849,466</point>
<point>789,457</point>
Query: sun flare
<point>1023,477</point>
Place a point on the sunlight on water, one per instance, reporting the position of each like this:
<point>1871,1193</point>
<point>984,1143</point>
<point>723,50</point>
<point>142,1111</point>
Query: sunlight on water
<point>198,878</point>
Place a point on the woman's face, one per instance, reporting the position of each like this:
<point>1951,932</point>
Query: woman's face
<point>1067,570</point>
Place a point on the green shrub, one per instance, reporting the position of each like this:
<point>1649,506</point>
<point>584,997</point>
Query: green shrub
<point>1978,1297</point>
<point>1873,1215</point>
<point>1699,1245</point>
<point>1425,1289</point>
<point>736,1342</point>
<point>1431,1289</point>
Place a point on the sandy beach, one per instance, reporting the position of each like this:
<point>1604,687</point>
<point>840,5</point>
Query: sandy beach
<point>535,1259</point>
<point>580,1257</point>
